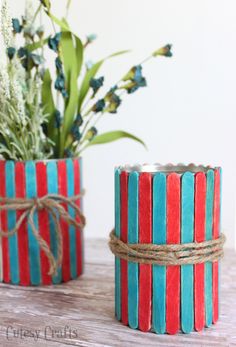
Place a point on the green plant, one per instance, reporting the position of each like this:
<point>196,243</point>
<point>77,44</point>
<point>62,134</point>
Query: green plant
<point>66,130</point>
<point>22,117</point>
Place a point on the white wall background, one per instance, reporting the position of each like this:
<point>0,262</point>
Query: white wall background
<point>187,113</point>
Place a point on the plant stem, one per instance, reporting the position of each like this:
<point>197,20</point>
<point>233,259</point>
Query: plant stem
<point>146,59</point>
<point>59,128</point>
<point>36,13</point>
<point>67,8</point>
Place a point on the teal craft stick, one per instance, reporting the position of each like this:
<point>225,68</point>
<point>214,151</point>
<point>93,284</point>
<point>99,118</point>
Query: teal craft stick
<point>117,232</point>
<point>11,221</point>
<point>219,263</point>
<point>72,231</point>
<point>52,181</point>
<point>34,250</point>
<point>159,237</point>
<point>187,235</point>
<point>133,268</point>
<point>208,265</point>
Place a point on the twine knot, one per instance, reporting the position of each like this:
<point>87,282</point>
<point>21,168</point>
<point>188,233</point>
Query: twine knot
<point>171,254</point>
<point>38,203</point>
<point>55,205</point>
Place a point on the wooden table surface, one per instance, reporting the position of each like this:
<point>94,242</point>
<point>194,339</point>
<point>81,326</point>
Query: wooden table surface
<point>38,316</point>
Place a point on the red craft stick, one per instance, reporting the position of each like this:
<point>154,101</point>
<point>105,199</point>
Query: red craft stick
<point>77,190</point>
<point>145,236</point>
<point>199,236</point>
<point>3,219</point>
<point>43,221</point>
<point>22,232</point>
<point>216,233</point>
<point>62,190</point>
<point>173,272</point>
<point>124,236</point>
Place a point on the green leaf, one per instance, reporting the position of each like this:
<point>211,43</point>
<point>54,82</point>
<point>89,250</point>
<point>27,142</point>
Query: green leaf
<point>46,4</point>
<point>91,74</point>
<point>113,136</point>
<point>64,26</point>
<point>79,54</point>
<point>69,58</point>
<point>68,4</point>
<point>48,103</point>
<point>79,47</point>
<point>68,52</point>
<point>33,46</point>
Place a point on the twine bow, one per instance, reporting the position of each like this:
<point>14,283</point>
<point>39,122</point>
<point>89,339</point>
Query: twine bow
<point>168,254</point>
<point>53,204</point>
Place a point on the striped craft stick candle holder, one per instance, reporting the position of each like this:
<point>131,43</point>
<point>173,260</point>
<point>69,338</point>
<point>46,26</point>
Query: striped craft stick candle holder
<point>22,261</point>
<point>165,206</point>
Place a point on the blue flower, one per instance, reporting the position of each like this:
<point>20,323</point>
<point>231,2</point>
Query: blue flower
<point>60,82</point>
<point>91,38</point>
<point>64,93</point>
<point>11,51</point>
<point>134,74</point>
<point>53,42</point>
<point>17,27</point>
<point>96,84</point>
<point>92,132</point>
<point>132,86</point>
<point>113,89</point>
<point>58,64</point>
<point>58,119</point>
<point>75,132</point>
<point>36,59</point>
<point>113,100</point>
<point>164,51</point>
<point>78,120</point>
<point>99,106</point>
<point>137,74</point>
<point>22,52</point>
<point>30,60</point>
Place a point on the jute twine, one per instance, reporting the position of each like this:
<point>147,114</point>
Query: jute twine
<point>171,254</point>
<point>53,204</point>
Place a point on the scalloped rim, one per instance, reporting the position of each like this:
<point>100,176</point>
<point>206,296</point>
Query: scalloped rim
<point>179,168</point>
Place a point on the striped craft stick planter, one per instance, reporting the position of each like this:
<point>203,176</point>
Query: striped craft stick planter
<point>21,259</point>
<point>165,205</point>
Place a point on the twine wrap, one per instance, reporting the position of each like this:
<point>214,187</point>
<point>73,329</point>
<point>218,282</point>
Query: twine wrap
<point>172,254</point>
<point>53,204</point>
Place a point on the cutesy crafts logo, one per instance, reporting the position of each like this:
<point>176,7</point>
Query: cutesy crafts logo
<point>48,333</point>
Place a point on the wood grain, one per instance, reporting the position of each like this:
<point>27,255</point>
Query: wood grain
<point>199,236</point>
<point>22,232</point>
<point>133,237</point>
<point>145,236</point>
<point>3,222</point>
<point>159,237</point>
<point>62,189</point>
<point>216,232</point>
<point>124,237</point>
<point>87,304</point>
<point>173,272</point>
<point>43,220</point>
<point>187,235</point>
